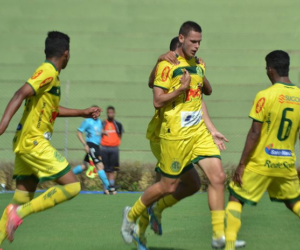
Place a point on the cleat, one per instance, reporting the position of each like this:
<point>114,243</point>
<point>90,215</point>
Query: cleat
<point>127,226</point>
<point>140,241</point>
<point>221,242</point>
<point>155,220</point>
<point>112,190</point>
<point>13,221</point>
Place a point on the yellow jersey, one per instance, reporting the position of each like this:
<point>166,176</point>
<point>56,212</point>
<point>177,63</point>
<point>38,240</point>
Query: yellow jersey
<point>154,126</point>
<point>40,110</point>
<point>182,118</point>
<point>278,108</point>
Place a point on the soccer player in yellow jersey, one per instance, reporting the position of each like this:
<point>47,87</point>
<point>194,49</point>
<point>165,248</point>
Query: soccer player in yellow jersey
<point>268,158</point>
<point>184,139</point>
<point>35,159</point>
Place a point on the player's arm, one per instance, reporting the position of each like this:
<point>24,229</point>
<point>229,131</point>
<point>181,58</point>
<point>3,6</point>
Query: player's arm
<point>206,89</point>
<point>82,140</point>
<point>217,136</point>
<point>14,104</point>
<point>170,57</point>
<point>161,98</point>
<point>252,140</point>
<point>92,112</point>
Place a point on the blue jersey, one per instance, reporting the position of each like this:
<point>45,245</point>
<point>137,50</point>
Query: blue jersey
<point>92,129</point>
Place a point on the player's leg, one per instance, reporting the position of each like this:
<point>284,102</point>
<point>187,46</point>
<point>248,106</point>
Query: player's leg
<point>254,186</point>
<point>81,167</point>
<point>24,193</point>
<point>212,168</point>
<point>115,165</point>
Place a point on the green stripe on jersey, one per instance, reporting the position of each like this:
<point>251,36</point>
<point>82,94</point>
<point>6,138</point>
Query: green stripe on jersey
<point>191,69</point>
<point>54,91</point>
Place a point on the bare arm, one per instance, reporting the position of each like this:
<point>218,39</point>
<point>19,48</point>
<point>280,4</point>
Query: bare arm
<point>161,98</point>
<point>217,136</point>
<point>170,56</point>
<point>14,104</point>
<point>207,89</point>
<point>82,140</point>
<point>252,140</point>
<point>92,112</point>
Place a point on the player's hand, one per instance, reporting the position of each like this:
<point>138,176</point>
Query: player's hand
<point>238,174</point>
<point>185,80</point>
<point>219,140</point>
<point>200,61</point>
<point>169,57</point>
<point>87,148</point>
<point>93,112</point>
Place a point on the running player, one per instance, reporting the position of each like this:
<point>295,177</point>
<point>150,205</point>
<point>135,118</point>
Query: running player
<point>184,137</point>
<point>268,158</point>
<point>36,160</point>
<point>93,130</point>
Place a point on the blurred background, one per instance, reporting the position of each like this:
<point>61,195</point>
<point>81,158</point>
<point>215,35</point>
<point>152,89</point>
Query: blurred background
<point>114,46</point>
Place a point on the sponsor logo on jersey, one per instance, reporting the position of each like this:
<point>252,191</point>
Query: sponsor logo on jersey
<point>37,74</point>
<point>47,136</point>
<point>277,152</point>
<point>199,71</point>
<point>193,94</point>
<point>165,73</point>
<point>175,166</point>
<point>46,82</point>
<point>260,104</point>
<point>289,99</point>
<point>280,165</point>
<point>190,118</point>
<point>53,116</point>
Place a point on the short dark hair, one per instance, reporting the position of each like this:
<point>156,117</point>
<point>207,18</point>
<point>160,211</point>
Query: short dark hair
<point>111,107</point>
<point>189,26</point>
<point>174,43</point>
<point>280,61</point>
<point>56,44</point>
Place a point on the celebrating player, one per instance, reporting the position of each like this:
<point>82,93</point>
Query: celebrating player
<point>93,129</point>
<point>268,158</point>
<point>184,138</point>
<point>36,160</point>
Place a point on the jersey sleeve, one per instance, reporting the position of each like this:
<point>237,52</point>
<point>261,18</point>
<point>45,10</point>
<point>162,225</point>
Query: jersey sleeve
<point>42,80</point>
<point>83,126</point>
<point>258,110</point>
<point>163,75</point>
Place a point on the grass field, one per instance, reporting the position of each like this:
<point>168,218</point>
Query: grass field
<point>92,222</point>
<point>114,45</point>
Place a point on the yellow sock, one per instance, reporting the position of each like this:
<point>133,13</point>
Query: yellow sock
<point>232,223</point>
<point>143,223</point>
<point>296,208</point>
<point>50,198</point>
<point>136,211</point>
<point>217,222</point>
<point>20,197</point>
<point>163,203</point>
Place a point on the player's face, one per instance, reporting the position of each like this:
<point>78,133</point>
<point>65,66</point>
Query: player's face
<point>110,114</point>
<point>66,58</point>
<point>191,43</point>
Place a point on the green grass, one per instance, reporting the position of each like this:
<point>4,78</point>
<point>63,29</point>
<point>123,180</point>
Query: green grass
<point>114,45</point>
<point>93,222</point>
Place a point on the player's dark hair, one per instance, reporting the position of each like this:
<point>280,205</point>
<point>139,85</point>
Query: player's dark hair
<point>56,44</point>
<point>174,43</point>
<point>189,26</point>
<point>110,107</point>
<point>280,61</point>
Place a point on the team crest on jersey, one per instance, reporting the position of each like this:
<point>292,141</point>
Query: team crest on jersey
<point>37,74</point>
<point>200,71</point>
<point>165,73</point>
<point>260,104</point>
<point>175,166</point>
<point>46,82</point>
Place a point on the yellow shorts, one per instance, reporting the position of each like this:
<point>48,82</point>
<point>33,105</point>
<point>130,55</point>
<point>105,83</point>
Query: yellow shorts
<point>43,164</point>
<point>177,156</point>
<point>155,148</point>
<point>280,189</point>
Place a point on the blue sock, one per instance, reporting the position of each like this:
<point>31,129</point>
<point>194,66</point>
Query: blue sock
<point>77,170</point>
<point>103,178</point>
<point>112,182</point>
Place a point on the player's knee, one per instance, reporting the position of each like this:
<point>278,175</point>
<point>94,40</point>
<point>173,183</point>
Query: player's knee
<point>73,189</point>
<point>168,188</point>
<point>196,186</point>
<point>219,178</point>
